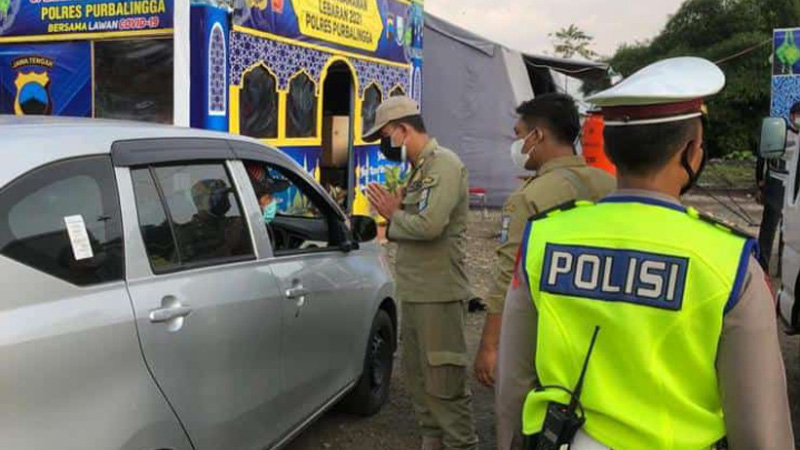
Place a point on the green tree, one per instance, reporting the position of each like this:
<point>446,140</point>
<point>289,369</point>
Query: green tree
<point>571,41</point>
<point>738,35</point>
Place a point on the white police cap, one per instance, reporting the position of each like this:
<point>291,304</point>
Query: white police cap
<point>667,91</point>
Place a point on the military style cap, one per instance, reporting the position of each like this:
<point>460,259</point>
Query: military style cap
<point>209,187</point>
<point>667,91</point>
<point>392,109</point>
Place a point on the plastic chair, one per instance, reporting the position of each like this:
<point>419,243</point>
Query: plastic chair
<point>479,195</point>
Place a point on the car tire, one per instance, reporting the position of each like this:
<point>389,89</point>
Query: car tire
<point>372,389</point>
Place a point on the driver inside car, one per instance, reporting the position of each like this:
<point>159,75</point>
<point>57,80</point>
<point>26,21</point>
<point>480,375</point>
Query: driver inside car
<point>265,191</point>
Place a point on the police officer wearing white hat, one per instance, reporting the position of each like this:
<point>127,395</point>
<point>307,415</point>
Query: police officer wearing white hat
<point>686,351</point>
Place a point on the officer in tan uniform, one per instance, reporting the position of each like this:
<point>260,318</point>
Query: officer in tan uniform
<point>428,220</point>
<point>546,130</point>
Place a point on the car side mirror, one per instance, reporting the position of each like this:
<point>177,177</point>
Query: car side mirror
<point>773,138</point>
<point>364,228</point>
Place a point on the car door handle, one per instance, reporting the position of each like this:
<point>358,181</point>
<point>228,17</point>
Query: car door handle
<point>296,292</point>
<point>162,315</point>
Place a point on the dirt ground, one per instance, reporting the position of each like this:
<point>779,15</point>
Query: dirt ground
<point>394,427</point>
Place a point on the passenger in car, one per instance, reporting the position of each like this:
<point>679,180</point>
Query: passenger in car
<point>210,234</point>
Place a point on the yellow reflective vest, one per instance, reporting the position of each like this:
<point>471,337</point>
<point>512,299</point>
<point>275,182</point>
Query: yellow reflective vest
<point>657,278</point>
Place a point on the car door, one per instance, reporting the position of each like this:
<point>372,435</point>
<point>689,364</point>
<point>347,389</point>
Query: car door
<point>71,369</point>
<point>208,313</point>
<point>327,304</point>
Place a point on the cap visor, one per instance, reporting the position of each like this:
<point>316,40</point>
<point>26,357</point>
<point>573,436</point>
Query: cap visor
<point>374,133</point>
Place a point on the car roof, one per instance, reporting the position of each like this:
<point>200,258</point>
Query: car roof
<point>31,141</point>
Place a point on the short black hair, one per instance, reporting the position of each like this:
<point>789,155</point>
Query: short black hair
<point>645,149</point>
<point>557,112</point>
<point>414,122</point>
<point>795,108</point>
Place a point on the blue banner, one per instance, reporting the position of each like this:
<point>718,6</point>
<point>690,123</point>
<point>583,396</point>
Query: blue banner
<point>386,29</point>
<point>786,52</point>
<point>44,17</point>
<point>46,79</point>
<point>209,66</point>
<point>785,71</point>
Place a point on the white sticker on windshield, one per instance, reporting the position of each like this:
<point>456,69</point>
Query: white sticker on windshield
<point>78,237</point>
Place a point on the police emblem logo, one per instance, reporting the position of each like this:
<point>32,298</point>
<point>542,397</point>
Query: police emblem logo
<point>33,85</point>
<point>641,278</point>
<point>33,94</point>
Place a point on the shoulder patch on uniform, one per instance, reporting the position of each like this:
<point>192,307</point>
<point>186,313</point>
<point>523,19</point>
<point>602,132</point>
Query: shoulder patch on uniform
<point>718,223</point>
<point>428,181</point>
<point>572,204</point>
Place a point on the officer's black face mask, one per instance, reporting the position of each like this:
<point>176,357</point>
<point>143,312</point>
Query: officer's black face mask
<point>390,151</point>
<point>219,202</point>
<point>694,176</point>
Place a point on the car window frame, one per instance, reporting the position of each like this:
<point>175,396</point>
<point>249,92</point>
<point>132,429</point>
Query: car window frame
<point>182,266</point>
<point>333,223</point>
<point>163,151</point>
<point>337,221</point>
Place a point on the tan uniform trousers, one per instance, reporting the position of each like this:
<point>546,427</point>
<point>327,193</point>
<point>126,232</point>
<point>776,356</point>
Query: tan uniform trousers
<point>435,363</point>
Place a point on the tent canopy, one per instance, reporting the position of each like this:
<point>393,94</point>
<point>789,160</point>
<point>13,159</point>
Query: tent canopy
<point>471,88</point>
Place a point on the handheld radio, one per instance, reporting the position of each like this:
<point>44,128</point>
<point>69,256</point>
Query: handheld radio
<point>562,422</point>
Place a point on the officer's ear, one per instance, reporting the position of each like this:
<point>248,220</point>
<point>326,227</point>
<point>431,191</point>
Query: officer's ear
<point>695,148</point>
<point>537,135</point>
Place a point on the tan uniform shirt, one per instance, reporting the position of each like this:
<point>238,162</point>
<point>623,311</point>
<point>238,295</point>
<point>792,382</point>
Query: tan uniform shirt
<point>749,365</point>
<point>557,182</point>
<point>431,228</point>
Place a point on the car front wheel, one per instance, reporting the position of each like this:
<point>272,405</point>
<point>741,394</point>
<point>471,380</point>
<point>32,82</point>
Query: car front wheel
<point>372,389</point>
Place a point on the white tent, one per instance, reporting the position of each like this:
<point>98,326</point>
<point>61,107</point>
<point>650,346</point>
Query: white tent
<point>471,87</point>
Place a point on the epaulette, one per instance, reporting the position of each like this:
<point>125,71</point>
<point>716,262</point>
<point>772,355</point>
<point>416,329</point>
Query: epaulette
<point>718,223</point>
<point>572,204</point>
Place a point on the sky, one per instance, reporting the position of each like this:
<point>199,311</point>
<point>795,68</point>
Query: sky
<point>525,24</point>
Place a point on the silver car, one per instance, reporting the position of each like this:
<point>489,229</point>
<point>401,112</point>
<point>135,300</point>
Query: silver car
<point>147,304</point>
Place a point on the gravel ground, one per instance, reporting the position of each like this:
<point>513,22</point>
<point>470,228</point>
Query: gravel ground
<point>394,427</point>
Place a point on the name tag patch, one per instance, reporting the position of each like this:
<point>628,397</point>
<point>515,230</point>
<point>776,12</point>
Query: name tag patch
<point>643,278</point>
<point>504,230</point>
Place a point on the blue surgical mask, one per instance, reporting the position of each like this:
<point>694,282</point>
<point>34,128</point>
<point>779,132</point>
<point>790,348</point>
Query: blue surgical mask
<point>270,211</point>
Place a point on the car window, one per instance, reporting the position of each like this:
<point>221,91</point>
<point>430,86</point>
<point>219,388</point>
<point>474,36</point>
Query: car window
<point>63,219</point>
<point>296,217</point>
<point>190,215</point>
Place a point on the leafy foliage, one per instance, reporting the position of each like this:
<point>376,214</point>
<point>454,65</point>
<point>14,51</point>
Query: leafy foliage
<point>571,41</point>
<point>737,34</point>
<point>395,179</point>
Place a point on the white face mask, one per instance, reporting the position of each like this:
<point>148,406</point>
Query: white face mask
<point>403,151</point>
<point>521,159</point>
